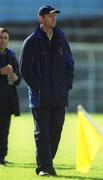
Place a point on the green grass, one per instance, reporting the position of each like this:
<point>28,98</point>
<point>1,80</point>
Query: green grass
<point>22,152</point>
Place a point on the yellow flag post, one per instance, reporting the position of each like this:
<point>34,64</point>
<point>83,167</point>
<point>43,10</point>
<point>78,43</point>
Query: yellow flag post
<point>89,139</point>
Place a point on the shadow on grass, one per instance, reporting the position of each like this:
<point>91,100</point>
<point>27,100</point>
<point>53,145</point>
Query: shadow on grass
<point>69,167</point>
<point>21,165</point>
<point>64,167</point>
<point>58,167</point>
<point>80,177</point>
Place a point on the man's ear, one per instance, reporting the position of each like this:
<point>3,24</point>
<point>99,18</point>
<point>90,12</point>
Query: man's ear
<point>40,19</point>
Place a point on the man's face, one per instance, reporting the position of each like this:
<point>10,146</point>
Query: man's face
<point>4,39</point>
<point>49,20</point>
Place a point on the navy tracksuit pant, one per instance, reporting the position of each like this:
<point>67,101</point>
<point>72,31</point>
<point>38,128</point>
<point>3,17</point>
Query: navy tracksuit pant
<point>48,128</point>
<point>4,127</point>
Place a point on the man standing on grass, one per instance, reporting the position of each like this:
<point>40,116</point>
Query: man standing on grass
<point>47,66</point>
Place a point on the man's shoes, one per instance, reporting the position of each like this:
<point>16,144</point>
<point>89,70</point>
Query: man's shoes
<point>3,162</point>
<point>52,171</point>
<point>43,173</point>
<point>46,172</point>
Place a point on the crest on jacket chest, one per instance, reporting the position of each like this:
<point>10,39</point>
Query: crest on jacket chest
<point>60,51</point>
<point>45,48</point>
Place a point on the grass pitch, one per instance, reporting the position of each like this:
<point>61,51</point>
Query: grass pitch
<point>21,152</point>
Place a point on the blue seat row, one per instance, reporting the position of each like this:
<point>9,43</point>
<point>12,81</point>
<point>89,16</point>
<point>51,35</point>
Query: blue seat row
<point>27,11</point>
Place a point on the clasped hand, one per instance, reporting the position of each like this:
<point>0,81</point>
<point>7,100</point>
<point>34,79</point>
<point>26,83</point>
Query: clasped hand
<point>8,70</point>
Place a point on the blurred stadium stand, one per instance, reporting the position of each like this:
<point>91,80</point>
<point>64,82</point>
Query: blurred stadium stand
<point>82,23</point>
<point>81,20</point>
<point>20,11</point>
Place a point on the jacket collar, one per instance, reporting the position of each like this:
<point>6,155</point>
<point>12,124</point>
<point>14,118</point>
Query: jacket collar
<point>38,32</point>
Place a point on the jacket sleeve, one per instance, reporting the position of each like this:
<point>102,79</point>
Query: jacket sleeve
<point>16,69</point>
<point>27,65</point>
<point>10,55</point>
<point>69,65</point>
